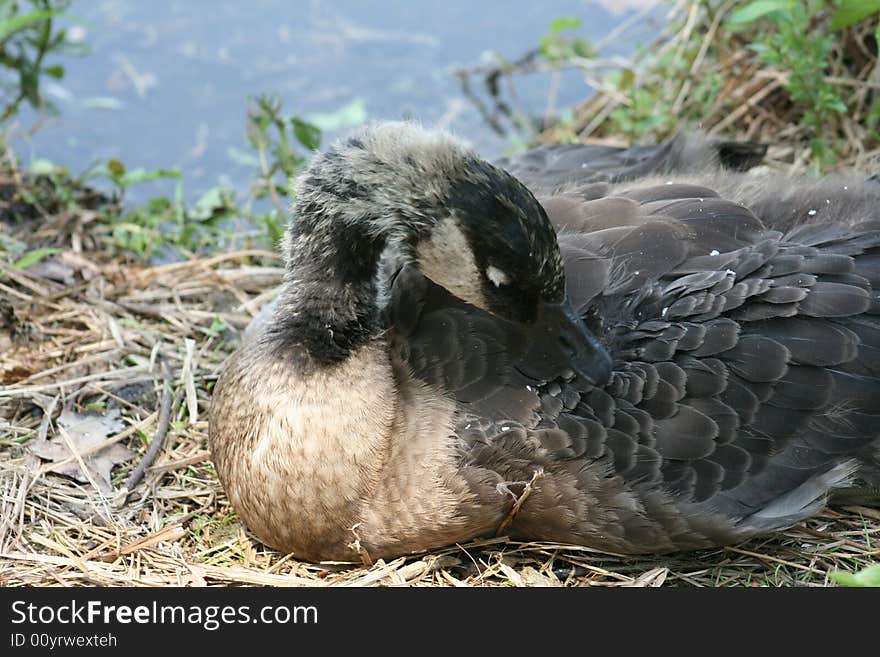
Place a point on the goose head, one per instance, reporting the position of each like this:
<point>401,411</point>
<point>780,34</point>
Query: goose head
<point>467,225</point>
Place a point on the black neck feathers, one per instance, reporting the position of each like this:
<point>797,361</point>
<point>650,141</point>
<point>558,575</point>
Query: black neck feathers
<point>329,303</point>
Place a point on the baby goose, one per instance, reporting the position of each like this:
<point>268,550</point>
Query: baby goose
<point>648,368</point>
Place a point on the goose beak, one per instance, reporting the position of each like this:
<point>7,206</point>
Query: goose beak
<point>564,340</point>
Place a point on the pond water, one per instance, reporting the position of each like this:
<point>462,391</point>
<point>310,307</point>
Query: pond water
<point>166,82</point>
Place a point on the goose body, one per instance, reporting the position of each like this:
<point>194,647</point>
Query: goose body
<point>636,350</point>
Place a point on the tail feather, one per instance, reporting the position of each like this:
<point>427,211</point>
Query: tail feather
<point>803,501</point>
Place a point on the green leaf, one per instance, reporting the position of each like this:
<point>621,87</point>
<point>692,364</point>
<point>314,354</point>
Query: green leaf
<point>838,106</point>
<point>34,257</point>
<point>348,116</point>
<point>869,576</point>
<point>874,112</point>
<point>565,23</point>
<point>273,225</point>
<point>627,77</point>
<point>549,47</point>
<point>850,12</point>
<point>138,176</point>
<point>115,168</point>
<point>584,48</point>
<point>43,167</point>
<point>56,72</point>
<point>755,10</point>
<point>215,201</point>
<point>308,135</point>
<point>19,23</point>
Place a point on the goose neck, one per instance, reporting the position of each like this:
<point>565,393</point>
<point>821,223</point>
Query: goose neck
<point>329,303</point>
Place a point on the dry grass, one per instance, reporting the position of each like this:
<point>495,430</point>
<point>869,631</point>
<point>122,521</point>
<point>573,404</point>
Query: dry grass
<point>97,340</point>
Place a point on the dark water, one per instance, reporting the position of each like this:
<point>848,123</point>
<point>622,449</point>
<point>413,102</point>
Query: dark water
<point>167,81</point>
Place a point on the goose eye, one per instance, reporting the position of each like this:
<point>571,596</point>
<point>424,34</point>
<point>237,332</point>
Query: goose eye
<point>497,276</point>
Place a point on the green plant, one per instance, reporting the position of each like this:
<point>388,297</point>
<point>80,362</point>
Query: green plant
<point>282,144</point>
<point>117,173</point>
<point>654,107</point>
<point>869,576</point>
<point>28,33</point>
<point>646,114</point>
<point>163,222</point>
<point>26,38</point>
<point>557,46</point>
<point>850,12</point>
<point>801,45</point>
<point>273,136</point>
<point>146,230</point>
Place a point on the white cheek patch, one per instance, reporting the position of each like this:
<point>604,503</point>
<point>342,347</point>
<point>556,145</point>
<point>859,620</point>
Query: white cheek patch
<point>497,276</point>
<point>446,258</point>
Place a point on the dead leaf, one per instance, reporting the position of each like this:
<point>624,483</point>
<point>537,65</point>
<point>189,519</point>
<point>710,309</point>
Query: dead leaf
<point>86,431</point>
<point>53,270</point>
<point>66,268</point>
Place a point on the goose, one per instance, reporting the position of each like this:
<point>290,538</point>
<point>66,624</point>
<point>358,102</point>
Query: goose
<point>640,351</point>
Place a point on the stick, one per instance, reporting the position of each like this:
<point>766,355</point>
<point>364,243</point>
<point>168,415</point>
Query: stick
<point>161,431</point>
<point>519,502</point>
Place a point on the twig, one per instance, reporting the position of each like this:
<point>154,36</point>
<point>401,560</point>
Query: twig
<point>767,557</point>
<point>162,430</point>
<point>360,549</point>
<point>537,474</point>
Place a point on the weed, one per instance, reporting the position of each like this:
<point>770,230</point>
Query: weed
<point>158,227</point>
<point>273,135</point>
<point>282,144</point>
<point>800,44</point>
<point>26,38</point>
<point>754,69</point>
<point>558,46</point>
<point>868,576</point>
